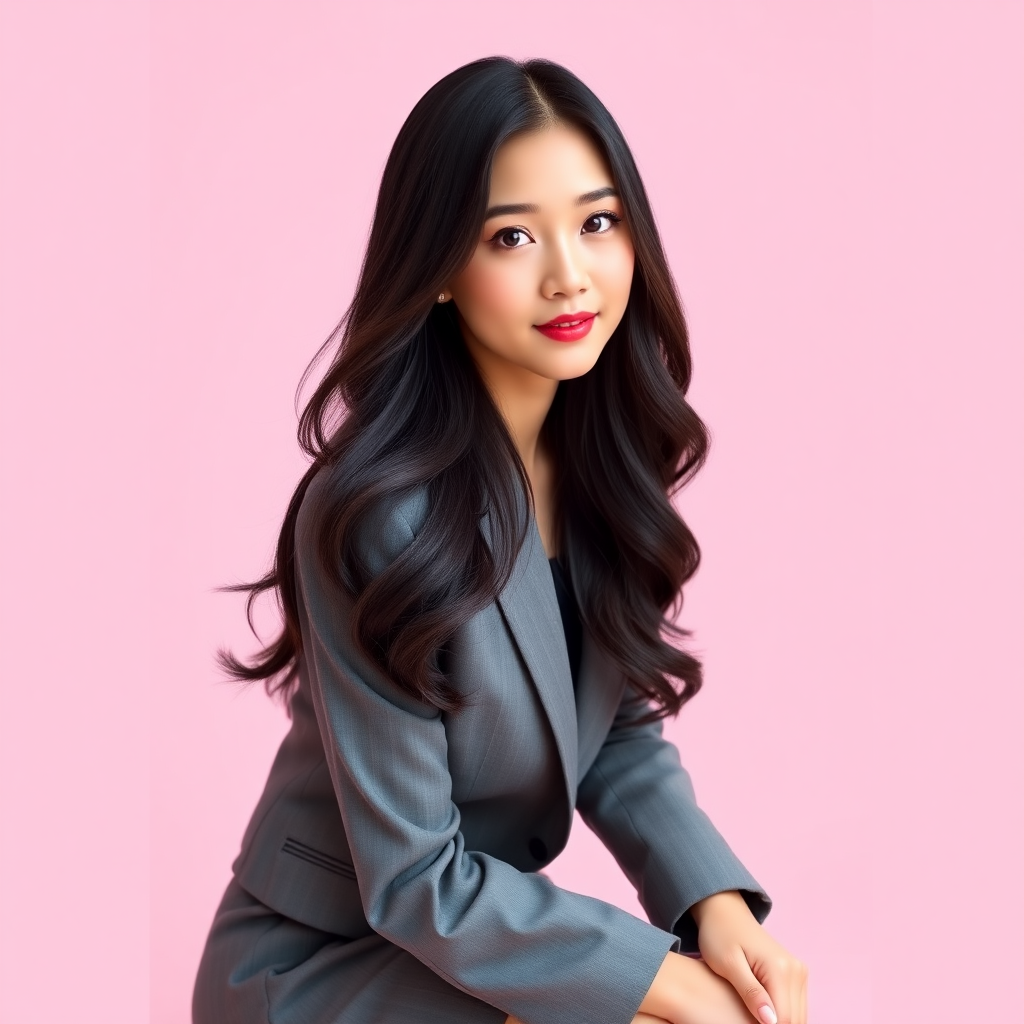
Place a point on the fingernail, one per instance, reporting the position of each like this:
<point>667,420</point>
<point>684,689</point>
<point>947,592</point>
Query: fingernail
<point>767,1014</point>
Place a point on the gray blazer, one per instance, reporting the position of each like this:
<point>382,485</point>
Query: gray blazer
<point>381,815</point>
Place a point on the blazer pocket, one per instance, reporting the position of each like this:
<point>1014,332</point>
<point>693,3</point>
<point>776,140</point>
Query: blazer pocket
<point>307,885</point>
<point>318,858</point>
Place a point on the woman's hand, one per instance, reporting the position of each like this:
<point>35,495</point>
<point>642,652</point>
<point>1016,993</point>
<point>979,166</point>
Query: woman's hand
<point>640,1018</point>
<point>771,982</point>
<point>746,975</point>
<point>686,991</point>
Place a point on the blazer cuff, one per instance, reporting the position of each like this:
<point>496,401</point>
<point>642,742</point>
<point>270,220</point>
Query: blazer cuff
<point>665,844</point>
<point>685,928</point>
<point>643,948</point>
<point>667,894</point>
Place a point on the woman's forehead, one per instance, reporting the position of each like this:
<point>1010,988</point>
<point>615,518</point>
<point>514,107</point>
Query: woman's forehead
<point>556,164</point>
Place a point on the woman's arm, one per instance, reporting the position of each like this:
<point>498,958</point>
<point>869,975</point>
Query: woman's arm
<point>512,939</point>
<point>685,991</point>
<point>638,799</point>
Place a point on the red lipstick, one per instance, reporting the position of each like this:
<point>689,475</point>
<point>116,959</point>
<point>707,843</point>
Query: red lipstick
<point>568,326</point>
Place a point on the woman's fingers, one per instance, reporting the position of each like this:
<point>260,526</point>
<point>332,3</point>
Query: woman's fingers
<point>800,999</point>
<point>796,988</point>
<point>640,1018</point>
<point>770,981</point>
<point>768,1003</point>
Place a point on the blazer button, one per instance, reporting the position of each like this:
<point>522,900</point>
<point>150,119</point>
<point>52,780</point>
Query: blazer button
<point>538,848</point>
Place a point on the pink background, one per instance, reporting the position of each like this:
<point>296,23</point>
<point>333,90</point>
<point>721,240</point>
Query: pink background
<point>186,191</point>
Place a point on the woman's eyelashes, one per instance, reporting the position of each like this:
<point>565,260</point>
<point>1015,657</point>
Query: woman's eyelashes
<point>510,233</point>
<point>607,215</point>
<point>518,237</point>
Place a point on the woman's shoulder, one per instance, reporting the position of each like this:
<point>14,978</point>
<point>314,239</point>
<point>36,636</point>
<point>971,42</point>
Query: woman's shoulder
<point>381,534</point>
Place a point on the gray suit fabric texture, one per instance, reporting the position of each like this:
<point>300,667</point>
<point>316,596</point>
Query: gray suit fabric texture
<point>392,869</point>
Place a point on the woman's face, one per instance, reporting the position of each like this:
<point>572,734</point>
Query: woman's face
<point>554,247</point>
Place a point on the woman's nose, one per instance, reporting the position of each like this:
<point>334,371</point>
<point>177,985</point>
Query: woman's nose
<point>566,272</point>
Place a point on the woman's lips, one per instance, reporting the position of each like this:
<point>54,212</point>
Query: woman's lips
<point>570,327</point>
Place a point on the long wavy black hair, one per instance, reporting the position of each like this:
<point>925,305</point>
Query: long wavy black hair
<point>402,407</point>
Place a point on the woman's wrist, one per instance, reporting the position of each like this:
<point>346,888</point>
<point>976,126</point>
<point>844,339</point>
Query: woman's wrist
<point>665,996</point>
<point>728,902</point>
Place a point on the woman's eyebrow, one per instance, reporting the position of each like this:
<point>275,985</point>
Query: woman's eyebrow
<point>587,197</point>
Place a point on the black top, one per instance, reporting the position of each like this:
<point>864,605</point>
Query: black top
<point>571,624</point>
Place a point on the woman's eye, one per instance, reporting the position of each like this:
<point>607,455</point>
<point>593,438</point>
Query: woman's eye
<point>601,222</point>
<point>511,238</point>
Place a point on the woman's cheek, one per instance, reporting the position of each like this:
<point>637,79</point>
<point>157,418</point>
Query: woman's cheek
<point>622,273</point>
<point>496,294</point>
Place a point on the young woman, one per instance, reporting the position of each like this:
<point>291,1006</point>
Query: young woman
<point>475,574</point>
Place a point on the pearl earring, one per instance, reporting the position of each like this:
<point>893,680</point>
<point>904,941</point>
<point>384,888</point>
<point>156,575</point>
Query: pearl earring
<point>440,297</point>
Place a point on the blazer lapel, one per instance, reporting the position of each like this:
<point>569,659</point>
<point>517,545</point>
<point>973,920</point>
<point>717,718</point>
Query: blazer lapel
<point>599,690</point>
<point>530,608</point>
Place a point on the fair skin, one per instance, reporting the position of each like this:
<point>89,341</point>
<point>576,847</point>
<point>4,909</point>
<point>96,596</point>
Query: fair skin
<point>563,249</point>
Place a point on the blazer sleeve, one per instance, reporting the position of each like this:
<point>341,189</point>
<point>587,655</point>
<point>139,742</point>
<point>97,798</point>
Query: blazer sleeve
<point>639,800</point>
<point>512,939</point>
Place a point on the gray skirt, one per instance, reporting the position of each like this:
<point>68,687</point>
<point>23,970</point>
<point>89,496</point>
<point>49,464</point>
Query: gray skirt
<point>259,967</point>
